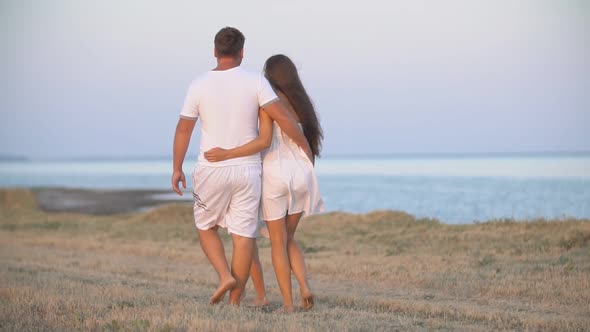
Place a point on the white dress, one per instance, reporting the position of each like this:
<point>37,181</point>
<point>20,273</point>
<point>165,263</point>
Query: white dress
<point>289,183</point>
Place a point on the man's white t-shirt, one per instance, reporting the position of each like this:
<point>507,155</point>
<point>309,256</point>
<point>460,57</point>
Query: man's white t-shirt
<point>227,102</point>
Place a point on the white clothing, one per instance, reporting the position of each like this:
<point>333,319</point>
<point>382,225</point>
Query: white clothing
<point>227,102</point>
<point>227,193</point>
<point>228,197</point>
<point>289,184</point>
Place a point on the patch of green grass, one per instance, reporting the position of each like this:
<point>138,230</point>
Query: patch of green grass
<point>486,260</point>
<point>263,243</point>
<point>541,245</point>
<point>500,222</point>
<point>8,227</point>
<point>428,221</point>
<point>394,251</point>
<point>310,249</point>
<point>355,231</point>
<point>562,260</point>
<point>43,226</point>
<point>113,326</point>
<point>576,239</point>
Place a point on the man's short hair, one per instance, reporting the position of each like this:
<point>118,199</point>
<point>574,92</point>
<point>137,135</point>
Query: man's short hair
<point>229,42</point>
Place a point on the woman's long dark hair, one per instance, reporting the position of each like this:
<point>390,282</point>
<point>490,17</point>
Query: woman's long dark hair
<point>282,75</point>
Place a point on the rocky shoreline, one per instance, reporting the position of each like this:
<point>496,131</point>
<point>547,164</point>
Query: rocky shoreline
<point>104,202</point>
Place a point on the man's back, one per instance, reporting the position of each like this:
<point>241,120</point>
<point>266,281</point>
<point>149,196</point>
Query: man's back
<point>227,102</point>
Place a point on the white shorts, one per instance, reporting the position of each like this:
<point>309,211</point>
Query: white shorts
<point>228,197</point>
<point>289,187</point>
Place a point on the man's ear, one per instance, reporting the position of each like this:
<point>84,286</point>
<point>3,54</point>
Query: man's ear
<point>242,53</point>
<point>215,53</point>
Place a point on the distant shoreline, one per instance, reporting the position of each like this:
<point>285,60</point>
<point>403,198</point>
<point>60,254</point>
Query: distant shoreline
<point>333,156</point>
<point>104,202</point>
<point>10,158</point>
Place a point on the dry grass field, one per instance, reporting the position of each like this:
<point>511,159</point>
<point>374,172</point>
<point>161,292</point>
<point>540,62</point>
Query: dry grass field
<point>383,271</point>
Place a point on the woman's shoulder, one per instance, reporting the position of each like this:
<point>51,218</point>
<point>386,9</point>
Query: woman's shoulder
<point>283,98</point>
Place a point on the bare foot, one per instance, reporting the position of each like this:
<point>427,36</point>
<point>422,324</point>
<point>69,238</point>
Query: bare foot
<point>306,300</point>
<point>285,310</point>
<point>260,302</point>
<point>224,286</point>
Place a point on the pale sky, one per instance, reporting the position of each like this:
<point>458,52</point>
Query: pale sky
<point>108,78</point>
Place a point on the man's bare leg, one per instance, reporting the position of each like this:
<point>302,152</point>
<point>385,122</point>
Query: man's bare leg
<point>213,249</point>
<point>240,265</point>
<point>258,279</point>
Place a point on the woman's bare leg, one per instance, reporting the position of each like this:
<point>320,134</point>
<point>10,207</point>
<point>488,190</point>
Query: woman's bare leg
<point>297,261</point>
<point>258,279</point>
<point>280,260</point>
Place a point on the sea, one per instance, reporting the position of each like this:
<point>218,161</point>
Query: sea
<point>453,188</point>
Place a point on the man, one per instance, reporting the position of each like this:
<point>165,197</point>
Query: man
<point>227,194</point>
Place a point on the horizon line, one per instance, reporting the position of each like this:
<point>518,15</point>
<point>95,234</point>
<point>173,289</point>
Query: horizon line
<point>377,155</point>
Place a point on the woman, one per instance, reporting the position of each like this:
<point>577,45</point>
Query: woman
<point>289,185</point>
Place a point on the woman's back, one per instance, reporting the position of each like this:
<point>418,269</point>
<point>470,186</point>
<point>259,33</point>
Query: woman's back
<point>282,146</point>
<point>288,179</point>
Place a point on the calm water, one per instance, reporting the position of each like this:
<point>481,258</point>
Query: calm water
<point>454,189</point>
